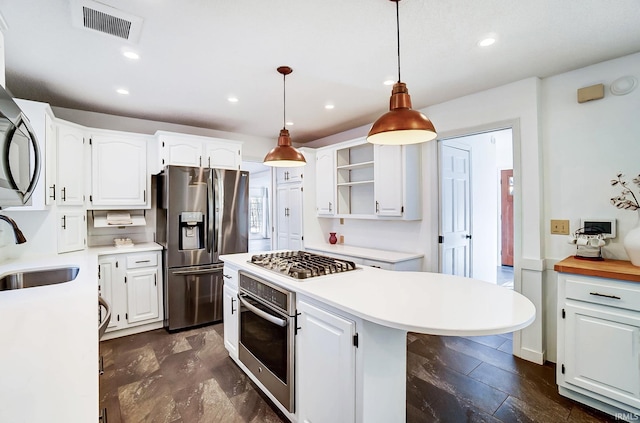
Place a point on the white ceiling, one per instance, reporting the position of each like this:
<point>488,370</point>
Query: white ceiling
<point>196,53</point>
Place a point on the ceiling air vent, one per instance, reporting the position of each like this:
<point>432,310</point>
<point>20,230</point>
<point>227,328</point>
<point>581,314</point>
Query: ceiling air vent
<point>96,16</point>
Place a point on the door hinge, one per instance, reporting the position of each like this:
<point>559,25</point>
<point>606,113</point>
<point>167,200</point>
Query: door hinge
<point>98,271</point>
<point>91,198</point>
<point>301,189</point>
<point>125,279</point>
<point>562,370</point>
<point>118,317</point>
<point>155,280</point>
<point>402,209</point>
<point>355,340</point>
<point>163,143</point>
<point>90,141</point>
<point>440,239</point>
<point>126,316</point>
<point>302,238</point>
<point>116,264</point>
<point>564,315</point>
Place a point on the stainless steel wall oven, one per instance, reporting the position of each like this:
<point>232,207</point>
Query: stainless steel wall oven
<point>267,335</point>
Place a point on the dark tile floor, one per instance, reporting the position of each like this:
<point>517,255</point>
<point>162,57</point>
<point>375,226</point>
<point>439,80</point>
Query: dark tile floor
<point>187,377</point>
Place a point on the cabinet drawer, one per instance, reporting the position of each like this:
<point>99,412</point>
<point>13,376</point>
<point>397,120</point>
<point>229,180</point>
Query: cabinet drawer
<point>379,264</point>
<point>142,260</point>
<point>230,276</point>
<point>603,291</point>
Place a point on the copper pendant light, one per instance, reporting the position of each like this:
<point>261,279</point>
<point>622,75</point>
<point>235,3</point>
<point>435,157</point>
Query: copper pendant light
<point>401,124</point>
<point>284,154</point>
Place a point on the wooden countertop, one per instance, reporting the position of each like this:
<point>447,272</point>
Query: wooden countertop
<point>607,268</point>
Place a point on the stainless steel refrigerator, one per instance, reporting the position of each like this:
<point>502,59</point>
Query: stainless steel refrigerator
<point>201,214</point>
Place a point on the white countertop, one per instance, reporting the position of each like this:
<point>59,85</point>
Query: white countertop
<point>48,359</point>
<point>135,248</point>
<point>365,253</point>
<point>421,302</point>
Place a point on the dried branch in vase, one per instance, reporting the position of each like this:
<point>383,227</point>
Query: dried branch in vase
<point>622,201</point>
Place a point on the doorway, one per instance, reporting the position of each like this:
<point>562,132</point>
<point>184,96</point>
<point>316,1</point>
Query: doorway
<point>259,206</point>
<point>472,233</point>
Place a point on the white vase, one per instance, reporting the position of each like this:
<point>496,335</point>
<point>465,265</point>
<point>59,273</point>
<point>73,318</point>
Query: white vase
<point>632,243</point>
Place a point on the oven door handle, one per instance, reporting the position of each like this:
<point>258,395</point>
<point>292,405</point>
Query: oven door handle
<point>266,316</point>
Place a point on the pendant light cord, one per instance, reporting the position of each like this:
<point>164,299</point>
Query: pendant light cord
<point>398,34</point>
<point>284,101</point>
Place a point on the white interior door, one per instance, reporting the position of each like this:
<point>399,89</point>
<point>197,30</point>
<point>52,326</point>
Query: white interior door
<point>455,210</point>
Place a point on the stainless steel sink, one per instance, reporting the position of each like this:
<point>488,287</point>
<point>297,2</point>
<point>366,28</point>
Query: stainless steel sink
<point>37,277</point>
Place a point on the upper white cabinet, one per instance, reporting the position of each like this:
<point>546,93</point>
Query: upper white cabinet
<point>325,191</point>
<point>369,181</point>
<point>70,175</point>
<point>289,174</point>
<point>191,150</point>
<point>119,177</point>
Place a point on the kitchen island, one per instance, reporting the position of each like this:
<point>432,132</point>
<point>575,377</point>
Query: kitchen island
<point>365,381</point>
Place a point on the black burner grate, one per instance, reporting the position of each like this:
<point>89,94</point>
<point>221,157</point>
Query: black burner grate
<point>302,264</point>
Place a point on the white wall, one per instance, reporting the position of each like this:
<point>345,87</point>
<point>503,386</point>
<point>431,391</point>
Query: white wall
<point>584,146</point>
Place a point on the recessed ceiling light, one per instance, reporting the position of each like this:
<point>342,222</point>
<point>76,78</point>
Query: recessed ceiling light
<point>131,55</point>
<point>329,106</point>
<point>232,99</point>
<point>122,91</point>
<point>389,82</point>
<point>486,42</point>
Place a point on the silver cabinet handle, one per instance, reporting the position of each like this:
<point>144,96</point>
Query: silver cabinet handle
<point>377,207</point>
<point>329,206</point>
<point>266,316</point>
<point>226,276</point>
<point>53,190</point>
<point>64,222</point>
<point>143,261</point>
<point>233,310</point>
<point>64,193</point>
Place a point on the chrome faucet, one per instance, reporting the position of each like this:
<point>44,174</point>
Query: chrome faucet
<point>20,239</point>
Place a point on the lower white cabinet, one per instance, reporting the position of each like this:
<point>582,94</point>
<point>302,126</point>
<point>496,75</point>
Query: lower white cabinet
<point>132,284</point>
<point>230,309</point>
<point>599,342</point>
<point>325,366</point>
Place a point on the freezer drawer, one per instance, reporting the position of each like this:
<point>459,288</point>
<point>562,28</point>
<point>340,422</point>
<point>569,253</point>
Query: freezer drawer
<point>194,296</point>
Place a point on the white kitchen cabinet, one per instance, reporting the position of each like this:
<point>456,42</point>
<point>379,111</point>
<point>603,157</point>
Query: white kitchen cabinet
<point>132,284</point>
<point>192,150</point>
<point>599,341</point>
<point>326,365</point>
<point>289,227</point>
<point>230,309</point>
<point>119,176</point>
<point>72,230</point>
<point>388,186</point>
<point>325,182</point>
<point>371,181</point>
<point>223,154</point>
<point>70,159</point>
<point>289,174</point>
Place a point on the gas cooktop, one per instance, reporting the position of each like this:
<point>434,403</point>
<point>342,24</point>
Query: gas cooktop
<point>302,264</point>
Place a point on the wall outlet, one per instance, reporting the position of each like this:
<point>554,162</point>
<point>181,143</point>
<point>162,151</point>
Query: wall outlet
<point>559,227</point>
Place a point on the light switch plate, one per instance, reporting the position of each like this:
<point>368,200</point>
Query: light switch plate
<point>559,227</point>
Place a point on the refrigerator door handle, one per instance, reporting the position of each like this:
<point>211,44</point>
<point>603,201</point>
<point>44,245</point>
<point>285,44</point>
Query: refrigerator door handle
<point>219,203</point>
<point>210,215</point>
<point>196,272</point>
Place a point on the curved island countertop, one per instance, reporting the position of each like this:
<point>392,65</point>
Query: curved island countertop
<point>430,303</point>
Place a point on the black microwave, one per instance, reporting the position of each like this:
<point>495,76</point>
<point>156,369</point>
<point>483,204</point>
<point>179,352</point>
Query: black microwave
<point>20,160</point>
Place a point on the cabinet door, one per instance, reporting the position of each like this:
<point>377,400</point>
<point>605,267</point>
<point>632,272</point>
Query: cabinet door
<point>108,286</point>
<point>50,163</point>
<point>326,366</point>
<point>72,230</point>
<point>289,217</point>
<point>221,155</point>
<point>289,174</point>
<point>388,180</point>
<point>70,165</point>
<point>325,183</point>
<point>180,152</point>
<point>230,318</point>
<point>142,295</point>
<point>602,352</point>
<point>119,171</point>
